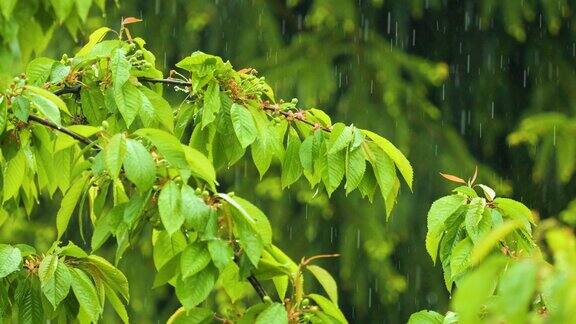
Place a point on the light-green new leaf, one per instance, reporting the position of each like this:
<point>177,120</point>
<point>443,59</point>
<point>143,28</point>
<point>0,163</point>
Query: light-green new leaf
<point>86,294</point>
<point>114,154</point>
<point>69,203</point>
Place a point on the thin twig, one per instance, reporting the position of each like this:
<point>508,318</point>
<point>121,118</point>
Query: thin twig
<point>168,81</point>
<point>61,129</point>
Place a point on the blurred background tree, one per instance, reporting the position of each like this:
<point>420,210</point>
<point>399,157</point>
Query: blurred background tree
<point>454,83</point>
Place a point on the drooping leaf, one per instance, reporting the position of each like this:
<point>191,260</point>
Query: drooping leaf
<point>399,159</point>
<point>68,204</point>
<point>170,207</point>
<point>212,103</point>
<point>355,168</point>
<point>291,168</point>
<point>139,165</point>
<point>243,124</point>
<point>114,154</point>
<point>86,294</point>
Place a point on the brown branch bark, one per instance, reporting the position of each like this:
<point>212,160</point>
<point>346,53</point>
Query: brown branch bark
<point>61,129</point>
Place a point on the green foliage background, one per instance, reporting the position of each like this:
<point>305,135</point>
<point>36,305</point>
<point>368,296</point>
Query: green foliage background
<point>453,84</point>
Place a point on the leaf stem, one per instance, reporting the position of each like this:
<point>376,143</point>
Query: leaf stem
<point>61,129</point>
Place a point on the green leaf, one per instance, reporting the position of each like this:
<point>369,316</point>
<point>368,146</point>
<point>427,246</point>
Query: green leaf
<point>167,144</point>
<point>28,302</point>
<point>68,204</point>
<point>489,193</point>
<point>86,294</point>
<point>62,8</point>
<point>11,258</point>
<point>383,167</point>
<point>355,168</point>
<point>47,268</point>
<point>7,6</point>
<point>195,315</point>
<point>200,165</point>
<point>120,68</point>
<point>139,165</point>
<point>48,96</point>
<point>113,277</point>
<point>129,102</point>
<point>114,154</point>
<point>274,313</point>
<point>94,38</point>
<point>55,279</point>
<point>440,210</point>
<point>516,290</point>
<point>116,304</point>
<point>475,288</point>
<point>426,317</point>
<point>326,280</point>
<point>232,282</point>
<point>194,209</point>
<point>14,175</point>
<point>514,210</point>
<point>38,70</point>
<point>46,108</point>
<point>399,159</point>
<point>261,224</point>
<point>194,259</point>
<point>170,207</point>
<point>243,124</point>
<point>167,246</point>
<point>195,289</point>
<point>212,103</point>
<point>162,111</point>
<point>328,307</point>
<point>340,137</point>
<point>220,252</point>
<point>488,243</point>
<point>474,215</point>
<point>334,171</point>
<point>460,257</point>
<point>291,168</point>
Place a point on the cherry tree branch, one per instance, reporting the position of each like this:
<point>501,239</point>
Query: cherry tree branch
<point>61,129</point>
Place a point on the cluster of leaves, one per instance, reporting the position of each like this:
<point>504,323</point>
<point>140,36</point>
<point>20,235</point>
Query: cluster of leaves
<point>461,227</point>
<point>52,286</point>
<point>89,128</point>
<point>501,275</point>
